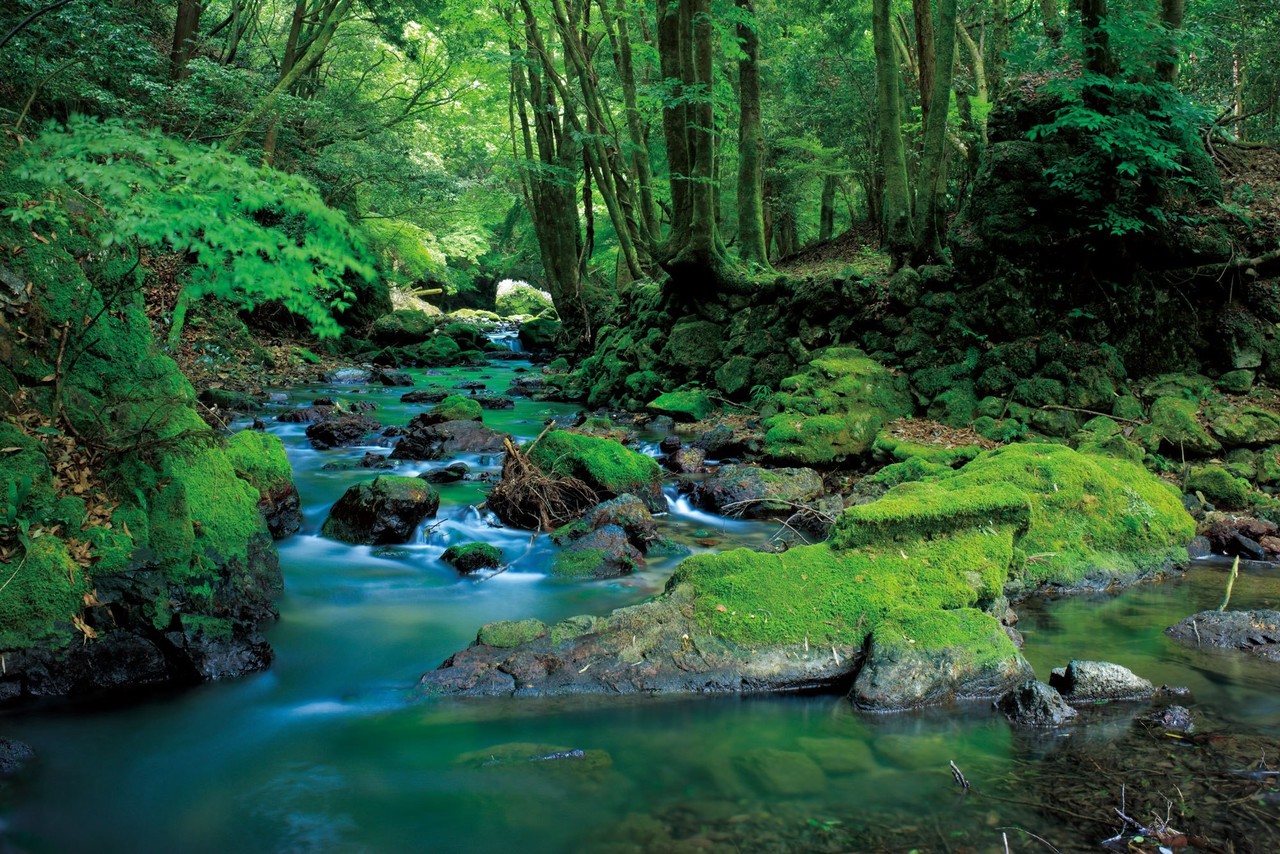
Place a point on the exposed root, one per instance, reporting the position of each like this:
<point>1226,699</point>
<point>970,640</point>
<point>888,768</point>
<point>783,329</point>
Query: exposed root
<point>527,498</point>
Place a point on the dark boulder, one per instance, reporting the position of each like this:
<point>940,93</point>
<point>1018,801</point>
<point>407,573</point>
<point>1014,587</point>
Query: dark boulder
<point>451,473</point>
<point>494,401</point>
<point>436,441</point>
<point>341,430</point>
<point>1255,632</point>
<point>753,491</point>
<point>1035,704</point>
<point>384,510</point>
<point>395,378</point>
<point>433,394</point>
<point>603,553</point>
<point>305,415</point>
<point>469,557</point>
<point>1095,681</point>
<point>14,756</point>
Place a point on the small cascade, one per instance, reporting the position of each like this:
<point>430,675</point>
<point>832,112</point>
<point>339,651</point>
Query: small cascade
<point>508,335</point>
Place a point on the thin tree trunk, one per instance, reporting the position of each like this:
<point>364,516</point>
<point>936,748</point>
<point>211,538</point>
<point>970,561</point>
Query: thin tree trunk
<point>1172,13</point>
<point>998,43</point>
<point>1049,18</point>
<point>827,210</point>
<point>932,189</point>
<point>897,199</point>
<point>1096,42</point>
<point>925,54</point>
<point>672,42</point>
<point>619,30</point>
<point>751,245</point>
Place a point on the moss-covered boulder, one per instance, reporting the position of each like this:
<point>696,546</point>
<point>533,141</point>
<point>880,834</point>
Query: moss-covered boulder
<point>540,334</point>
<point>438,351</point>
<point>402,327</point>
<point>454,407</point>
<point>691,405</point>
<point>920,573</point>
<point>259,459</point>
<point>755,491</point>
<point>605,552</point>
<point>834,409</point>
<point>1244,425</point>
<point>470,557</point>
<point>521,299</point>
<point>605,465</point>
<point>1220,486</point>
<point>1177,421</point>
<point>383,511</point>
<point>148,560</point>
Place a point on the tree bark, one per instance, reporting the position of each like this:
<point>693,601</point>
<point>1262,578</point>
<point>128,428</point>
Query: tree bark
<point>925,55</point>
<point>1098,56</point>
<point>1050,20</point>
<point>186,30</point>
<point>619,30</point>
<point>932,188</point>
<point>897,200</point>
<point>751,245</point>
<point>827,209</point>
<point>1172,13</point>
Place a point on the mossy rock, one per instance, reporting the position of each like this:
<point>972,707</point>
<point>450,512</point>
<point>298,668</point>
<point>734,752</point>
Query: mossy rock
<point>1185,386</point>
<point>456,407</point>
<point>469,557</point>
<point>521,298</point>
<point>44,591</point>
<point>734,376</point>
<point>1244,425</point>
<point>438,351</point>
<point>540,334</point>
<point>782,773</point>
<point>506,634</point>
<point>955,407</point>
<point>1220,486</point>
<point>944,455</point>
<point>693,347</point>
<point>1128,407</point>
<point>402,326</point>
<point>926,657</point>
<point>911,469</point>
<point>384,511</point>
<point>259,458</point>
<point>690,405</point>
<point>834,409</point>
<point>1269,466</point>
<point>603,464</point>
<point>1236,382</point>
<point>1177,421</point>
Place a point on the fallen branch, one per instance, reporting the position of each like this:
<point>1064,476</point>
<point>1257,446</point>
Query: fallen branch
<point>1092,412</point>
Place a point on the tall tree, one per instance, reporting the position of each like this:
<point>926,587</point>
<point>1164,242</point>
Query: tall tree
<point>931,189</point>
<point>751,243</point>
<point>186,31</point>
<point>897,195</point>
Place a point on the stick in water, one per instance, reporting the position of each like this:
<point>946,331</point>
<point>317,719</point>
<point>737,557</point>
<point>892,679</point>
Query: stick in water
<point>1231,580</point>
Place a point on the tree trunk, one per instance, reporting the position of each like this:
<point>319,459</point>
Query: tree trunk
<point>1171,15</point>
<point>925,55</point>
<point>186,31</point>
<point>998,44</point>
<point>932,189</point>
<point>1049,18</point>
<point>672,45</point>
<point>637,132</point>
<point>751,245</point>
<point>1095,40</point>
<point>897,199</point>
<point>827,211</point>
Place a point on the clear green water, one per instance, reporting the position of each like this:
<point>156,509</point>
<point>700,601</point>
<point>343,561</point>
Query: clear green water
<point>329,752</point>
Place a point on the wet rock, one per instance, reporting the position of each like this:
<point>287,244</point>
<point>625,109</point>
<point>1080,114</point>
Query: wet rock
<point>605,465</point>
<point>494,401</point>
<point>526,386</point>
<point>437,441</point>
<point>686,461</point>
<point>1173,717</point>
<point>626,512</point>
<point>754,491</point>
<point>1035,704</point>
<point>348,376</point>
<point>451,473</point>
<point>470,385</point>
<point>384,510</point>
<point>14,756</point>
<point>1247,548</point>
<point>395,378</point>
<point>470,557</point>
<point>782,772</point>
<point>602,553</point>
<point>1256,632</point>
<point>927,659</point>
<point>1199,547</point>
<point>305,415</point>
<point>376,461</point>
<point>670,444</point>
<point>723,441</point>
<point>435,394</point>
<point>341,430</point>
<point>228,400</point>
<point>1097,681</point>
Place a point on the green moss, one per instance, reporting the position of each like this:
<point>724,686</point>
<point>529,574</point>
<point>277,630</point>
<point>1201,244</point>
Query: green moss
<point>578,563</point>
<point>25,478</point>
<point>1128,407</point>
<point>921,509</point>
<point>1219,486</point>
<point>834,409</point>
<point>306,355</point>
<point>734,376</point>
<point>1177,421</point>
<point>1269,465</point>
<point>574,627</point>
<point>468,557</point>
<point>511,633</point>
<point>830,596</point>
<point>694,346</point>
<point>1185,386</point>
<point>1039,392</point>
<point>457,407</point>
<point>911,469</point>
<point>955,406</point>
<point>438,350</point>
<point>942,455</point>
<point>43,590</point>
<point>259,458</point>
<point>689,405</point>
<point>1236,382</point>
<point>973,635</point>
<point>1245,425</point>
<point>602,463</point>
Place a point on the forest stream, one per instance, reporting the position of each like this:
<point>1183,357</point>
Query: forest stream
<point>330,750</point>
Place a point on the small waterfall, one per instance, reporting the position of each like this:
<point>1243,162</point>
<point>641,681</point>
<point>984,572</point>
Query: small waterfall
<point>507,336</point>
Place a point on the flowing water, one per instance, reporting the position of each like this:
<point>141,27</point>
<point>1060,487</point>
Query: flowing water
<point>330,750</point>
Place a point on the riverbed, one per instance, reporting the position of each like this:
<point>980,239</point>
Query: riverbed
<point>332,750</point>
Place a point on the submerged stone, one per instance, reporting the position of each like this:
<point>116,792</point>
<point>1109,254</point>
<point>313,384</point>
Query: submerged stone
<point>782,772</point>
<point>1255,632</point>
<point>1035,704</point>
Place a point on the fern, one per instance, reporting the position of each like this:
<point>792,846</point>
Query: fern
<point>255,234</point>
